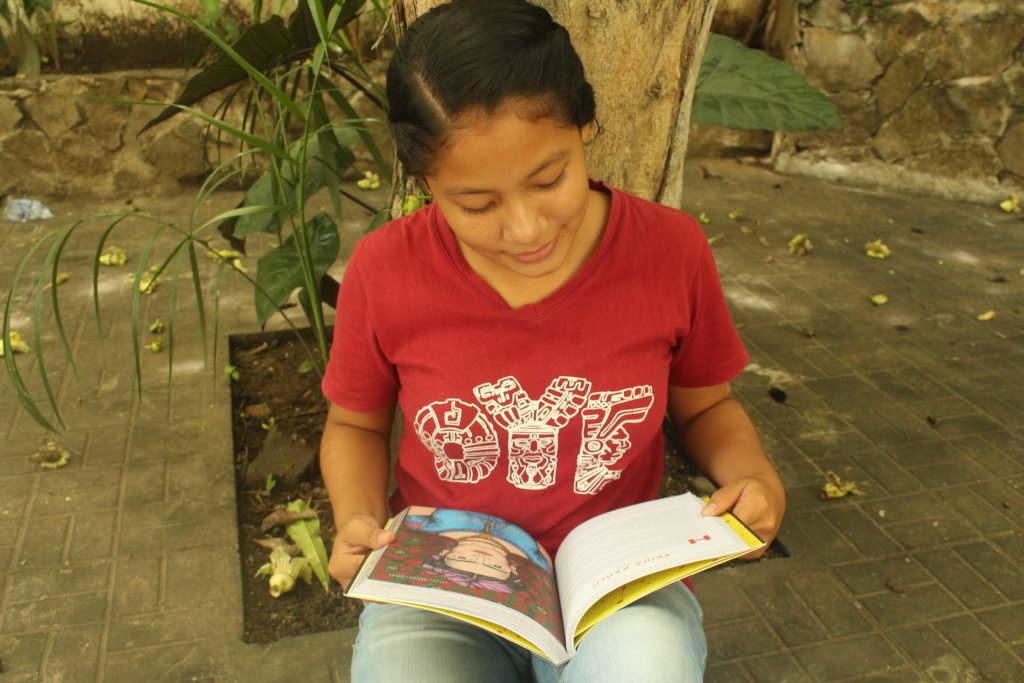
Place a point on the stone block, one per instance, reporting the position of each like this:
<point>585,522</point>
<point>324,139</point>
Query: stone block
<point>54,109</point>
<point>1011,148</point>
<point>104,121</point>
<point>84,164</point>
<point>734,18</point>
<point>10,112</point>
<point>981,104</point>
<point>900,80</point>
<point>913,129</point>
<point>899,29</point>
<point>977,43</point>
<point>928,533</point>
<point>1013,77</point>
<point>177,150</point>
<point>1001,572</point>
<point>839,61</point>
<point>1005,622</point>
<point>28,163</point>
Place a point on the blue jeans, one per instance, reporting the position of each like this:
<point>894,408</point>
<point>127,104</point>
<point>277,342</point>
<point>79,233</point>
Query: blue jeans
<point>658,638</point>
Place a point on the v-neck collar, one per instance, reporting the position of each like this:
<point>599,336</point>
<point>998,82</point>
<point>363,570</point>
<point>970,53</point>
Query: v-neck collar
<point>450,246</point>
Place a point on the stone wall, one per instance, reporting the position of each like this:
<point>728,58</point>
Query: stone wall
<point>931,92</point>
<point>57,138</point>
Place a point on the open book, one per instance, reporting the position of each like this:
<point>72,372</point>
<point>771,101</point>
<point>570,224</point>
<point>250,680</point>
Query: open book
<point>491,573</point>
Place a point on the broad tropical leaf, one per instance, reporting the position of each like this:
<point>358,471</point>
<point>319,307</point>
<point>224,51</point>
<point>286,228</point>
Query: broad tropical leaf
<point>264,46</point>
<point>739,87</point>
<point>279,272</point>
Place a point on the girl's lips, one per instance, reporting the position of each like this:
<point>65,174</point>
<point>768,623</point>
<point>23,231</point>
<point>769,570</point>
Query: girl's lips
<point>537,255</point>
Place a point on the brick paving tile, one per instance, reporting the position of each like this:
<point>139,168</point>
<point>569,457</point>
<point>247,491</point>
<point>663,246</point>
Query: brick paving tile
<point>775,668</point>
<point>993,660</point>
<point>852,658</point>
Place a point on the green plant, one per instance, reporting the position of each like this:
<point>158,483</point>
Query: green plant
<point>18,16</point>
<point>298,126</point>
<point>739,87</point>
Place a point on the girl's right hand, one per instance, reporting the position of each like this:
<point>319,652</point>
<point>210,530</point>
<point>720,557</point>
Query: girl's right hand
<point>356,537</point>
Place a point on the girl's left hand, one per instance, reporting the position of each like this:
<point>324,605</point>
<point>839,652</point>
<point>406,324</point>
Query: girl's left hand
<point>755,501</point>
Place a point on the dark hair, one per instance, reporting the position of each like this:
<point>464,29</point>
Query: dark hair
<point>474,54</point>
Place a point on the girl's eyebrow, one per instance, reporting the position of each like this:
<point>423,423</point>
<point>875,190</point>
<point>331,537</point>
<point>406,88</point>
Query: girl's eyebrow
<point>557,156</point>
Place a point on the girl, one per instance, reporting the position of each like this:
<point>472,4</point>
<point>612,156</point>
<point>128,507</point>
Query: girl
<point>535,326</point>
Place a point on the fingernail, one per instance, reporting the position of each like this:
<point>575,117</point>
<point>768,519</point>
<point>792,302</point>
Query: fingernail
<point>709,509</point>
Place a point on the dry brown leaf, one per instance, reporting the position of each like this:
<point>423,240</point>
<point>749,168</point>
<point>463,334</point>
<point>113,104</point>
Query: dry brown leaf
<point>257,410</point>
<point>764,241</point>
<point>282,517</point>
<point>271,543</point>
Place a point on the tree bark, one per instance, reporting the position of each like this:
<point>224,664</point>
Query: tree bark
<point>642,58</point>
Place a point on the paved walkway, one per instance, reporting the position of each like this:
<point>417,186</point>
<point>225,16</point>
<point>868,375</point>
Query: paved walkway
<point>122,566</point>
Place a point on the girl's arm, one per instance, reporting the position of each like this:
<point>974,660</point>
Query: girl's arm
<point>355,464</point>
<point>719,436</point>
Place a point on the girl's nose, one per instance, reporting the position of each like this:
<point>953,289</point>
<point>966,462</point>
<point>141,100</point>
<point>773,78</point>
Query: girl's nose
<point>522,225</point>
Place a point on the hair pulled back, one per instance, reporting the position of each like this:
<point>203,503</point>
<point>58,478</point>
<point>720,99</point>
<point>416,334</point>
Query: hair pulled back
<point>474,54</point>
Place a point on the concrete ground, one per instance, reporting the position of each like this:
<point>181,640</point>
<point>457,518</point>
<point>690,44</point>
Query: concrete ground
<point>122,566</point>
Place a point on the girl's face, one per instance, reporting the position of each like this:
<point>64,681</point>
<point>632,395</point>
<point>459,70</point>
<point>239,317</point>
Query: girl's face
<point>516,195</point>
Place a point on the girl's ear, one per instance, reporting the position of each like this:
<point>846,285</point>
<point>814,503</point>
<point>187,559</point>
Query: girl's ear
<point>589,132</point>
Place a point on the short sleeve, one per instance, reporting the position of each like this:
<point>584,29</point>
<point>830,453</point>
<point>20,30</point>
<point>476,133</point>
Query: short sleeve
<point>710,352</point>
<point>359,377</point>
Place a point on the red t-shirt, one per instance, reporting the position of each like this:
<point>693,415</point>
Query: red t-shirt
<point>548,414</point>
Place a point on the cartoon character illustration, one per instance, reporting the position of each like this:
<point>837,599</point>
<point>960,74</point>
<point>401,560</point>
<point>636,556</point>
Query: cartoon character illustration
<point>485,552</point>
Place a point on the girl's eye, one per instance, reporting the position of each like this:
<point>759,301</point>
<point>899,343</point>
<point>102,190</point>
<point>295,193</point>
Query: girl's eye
<point>554,183</point>
<point>482,209</point>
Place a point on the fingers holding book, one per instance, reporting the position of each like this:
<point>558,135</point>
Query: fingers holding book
<point>356,537</point>
<point>756,502</point>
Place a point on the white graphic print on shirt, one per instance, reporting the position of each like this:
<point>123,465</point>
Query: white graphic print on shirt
<point>464,442</point>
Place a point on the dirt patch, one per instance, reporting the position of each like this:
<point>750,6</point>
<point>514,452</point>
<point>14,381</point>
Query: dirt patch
<point>268,375</point>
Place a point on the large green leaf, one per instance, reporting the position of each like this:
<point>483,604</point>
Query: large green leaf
<point>739,87</point>
<point>279,272</point>
<point>264,46</point>
<point>306,534</point>
<point>320,164</point>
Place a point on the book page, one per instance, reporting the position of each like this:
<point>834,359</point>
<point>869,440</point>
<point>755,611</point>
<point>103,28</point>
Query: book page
<point>463,562</point>
<point>618,548</point>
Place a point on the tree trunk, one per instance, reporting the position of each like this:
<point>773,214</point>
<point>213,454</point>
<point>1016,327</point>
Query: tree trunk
<point>642,58</point>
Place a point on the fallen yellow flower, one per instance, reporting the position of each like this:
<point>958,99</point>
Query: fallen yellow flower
<point>18,344</point>
<point>879,299</point>
<point>878,249</point>
<point>1011,205</point>
<point>987,315</point>
<point>369,181</point>
<point>113,256</point>
<point>837,488</point>
<point>801,245</point>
